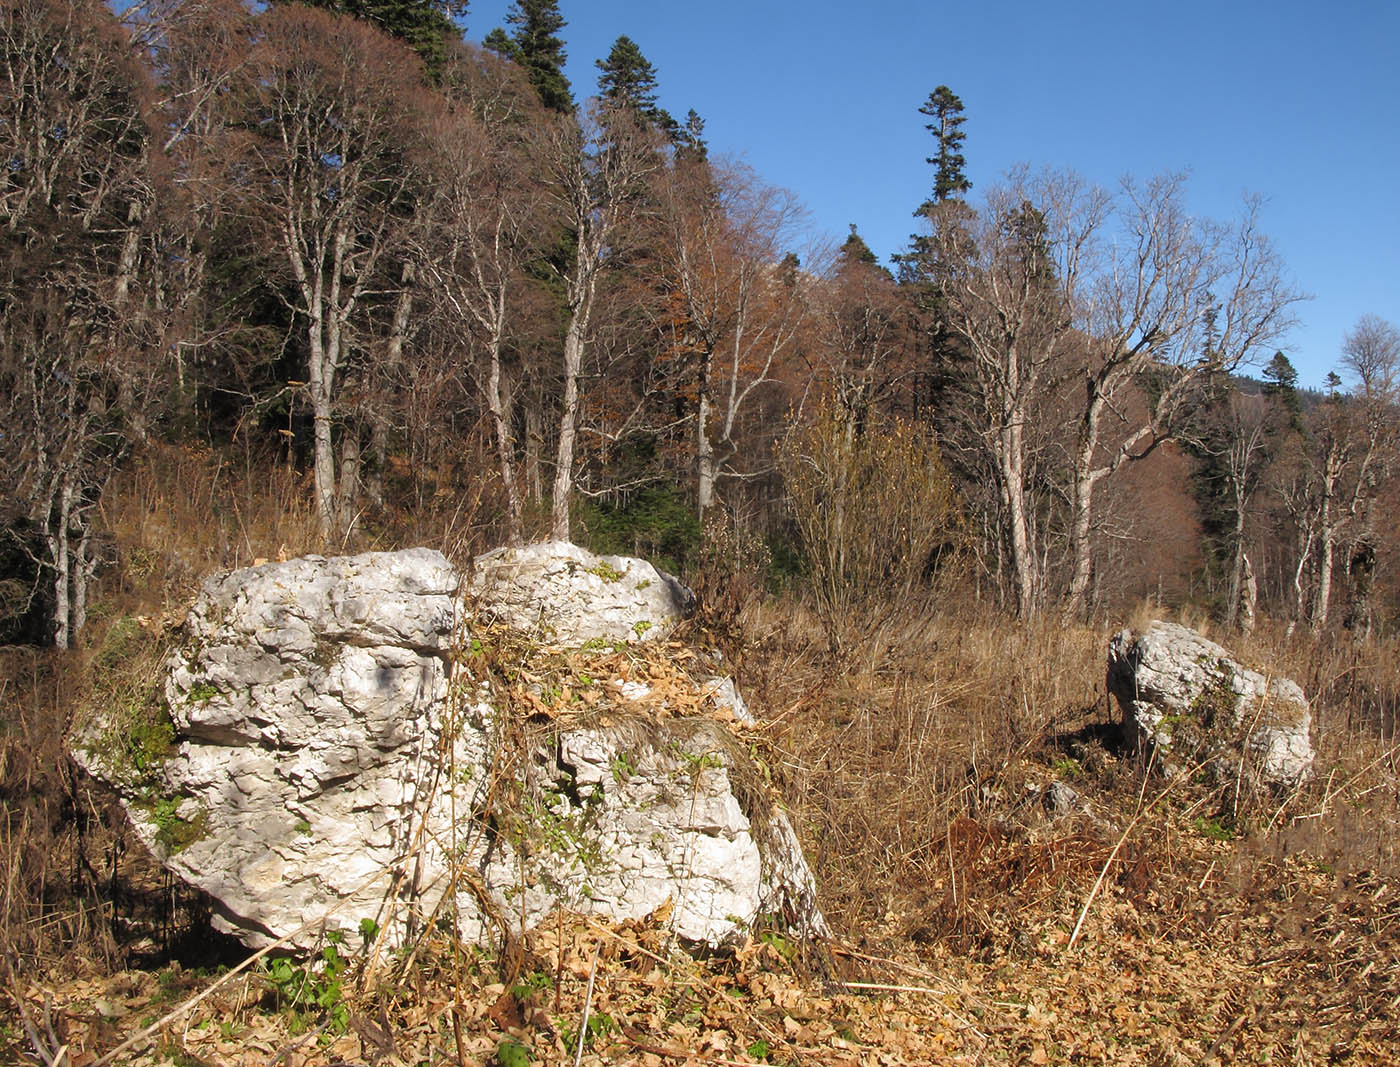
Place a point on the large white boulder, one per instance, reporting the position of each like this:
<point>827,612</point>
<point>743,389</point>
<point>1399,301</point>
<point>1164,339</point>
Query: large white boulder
<point>337,755</point>
<point>1189,695</point>
<point>568,595</point>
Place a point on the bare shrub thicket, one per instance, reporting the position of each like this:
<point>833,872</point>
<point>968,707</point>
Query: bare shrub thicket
<point>875,508</point>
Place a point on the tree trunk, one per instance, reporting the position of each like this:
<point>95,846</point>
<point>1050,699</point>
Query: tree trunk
<point>534,442</point>
<point>704,449</point>
<point>323,462</point>
<point>59,554</point>
<point>1239,563</point>
<point>1361,569</point>
<point>1324,581</point>
<point>348,488</point>
<point>1012,460</point>
<point>505,447</point>
<point>568,430</point>
<point>1249,596</point>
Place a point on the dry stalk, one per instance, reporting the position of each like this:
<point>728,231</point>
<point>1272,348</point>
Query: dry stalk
<point>582,1034</point>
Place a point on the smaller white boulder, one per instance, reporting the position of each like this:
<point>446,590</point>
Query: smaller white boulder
<point>570,596</point>
<point>1188,695</point>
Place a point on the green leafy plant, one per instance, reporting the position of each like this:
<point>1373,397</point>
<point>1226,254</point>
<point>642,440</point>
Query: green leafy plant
<point>783,946</point>
<point>173,831</point>
<point>624,765</point>
<point>530,984</point>
<point>600,1024</point>
<point>1215,827</point>
<point>606,571</point>
<point>511,1053</point>
<point>1067,767</point>
<point>304,991</point>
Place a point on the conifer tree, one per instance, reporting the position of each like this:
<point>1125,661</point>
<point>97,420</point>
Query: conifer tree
<point>690,142</point>
<point>499,41</point>
<point>628,81</point>
<point>854,250</point>
<point>426,26</point>
<point>1281,386</point>
<point>949,181</point>
<point>536,46</point>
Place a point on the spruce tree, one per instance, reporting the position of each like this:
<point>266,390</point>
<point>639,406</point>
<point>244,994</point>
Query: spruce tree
<point>1281,387</point>
<point>946,110</point>
<point>628,80</point>
<point>536,46</point>
<point>950,182</point>
<point>854,250</point>
<point>499,41</point>
<point>690,142</point>
<point>426,26</point>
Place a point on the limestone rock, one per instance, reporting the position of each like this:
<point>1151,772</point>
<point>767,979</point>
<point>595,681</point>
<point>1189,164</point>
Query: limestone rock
<point>323,766</point>
<point>570,596</point>
<point>1181,691</point>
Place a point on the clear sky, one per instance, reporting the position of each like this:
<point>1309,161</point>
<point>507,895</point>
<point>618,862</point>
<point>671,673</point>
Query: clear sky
<point>1298,102</point>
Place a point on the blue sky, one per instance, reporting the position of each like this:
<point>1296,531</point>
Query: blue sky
<point>1297,102</point>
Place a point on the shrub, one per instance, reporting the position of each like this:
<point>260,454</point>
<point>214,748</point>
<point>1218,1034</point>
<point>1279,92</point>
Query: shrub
<point>875,508</point>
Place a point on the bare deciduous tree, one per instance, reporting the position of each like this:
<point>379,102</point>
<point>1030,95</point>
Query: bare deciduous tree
<point>76,321</point>
<point>740,309</point>
<point>594,178</point>
<point>486,222</point>
<point>1056,279</point>
<point>329,170</point>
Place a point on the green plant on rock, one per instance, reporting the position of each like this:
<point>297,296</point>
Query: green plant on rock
<point>174,832</point>
<point>606,571</point>
<point>122,718</point>
<point>148,743</point>
<point>624,766</point>
<point>304,990</point>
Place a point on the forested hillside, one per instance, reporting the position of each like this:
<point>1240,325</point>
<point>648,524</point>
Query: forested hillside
<point>288,278</point>
<point>346,242</point>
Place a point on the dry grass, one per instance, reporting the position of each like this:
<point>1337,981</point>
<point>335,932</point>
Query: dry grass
<point>917,764</point>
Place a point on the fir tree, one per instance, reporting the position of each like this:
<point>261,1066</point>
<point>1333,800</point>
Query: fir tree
<point>949,181</point>
<point>536,46</point>
<point>690,142</point>
<point>426,26</point>
<point>628,80</point>
<point>499,41</point>
<point>1281,387</point>
<point>854,250</point>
